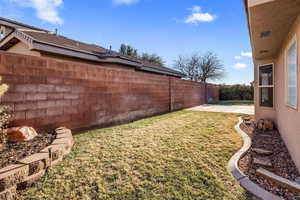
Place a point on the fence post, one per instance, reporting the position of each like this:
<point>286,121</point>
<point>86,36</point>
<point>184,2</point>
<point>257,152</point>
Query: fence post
<point>205,93</point>
<point>170,95</point>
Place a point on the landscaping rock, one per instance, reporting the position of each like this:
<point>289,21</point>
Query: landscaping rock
<point>265,125</point>
<point>265,162</point>
<point>21,134</point>
<point>282,163</point>
<point>262,151</point>
<point>247,118</point>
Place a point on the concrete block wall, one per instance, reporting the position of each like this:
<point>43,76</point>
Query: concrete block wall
<point>48,93</point>
<point>213,92</point>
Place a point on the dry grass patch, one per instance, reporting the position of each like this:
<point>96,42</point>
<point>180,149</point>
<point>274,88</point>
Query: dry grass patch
<point>182,155</point>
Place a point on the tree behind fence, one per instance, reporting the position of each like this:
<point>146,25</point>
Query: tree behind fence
<point>236,92</point>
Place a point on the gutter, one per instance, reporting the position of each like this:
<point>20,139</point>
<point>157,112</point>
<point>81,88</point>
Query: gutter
<point>248,22</point>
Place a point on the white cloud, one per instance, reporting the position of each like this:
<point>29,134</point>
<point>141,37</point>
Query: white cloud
<point>240,66</point>
<point>198,16</point>
<point>125,2</point>
<point>246,54</point>
<point>46,10</point>
<point>195,9</point>
<point>243,54</point>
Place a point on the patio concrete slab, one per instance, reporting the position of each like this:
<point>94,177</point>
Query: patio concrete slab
<point>249,110</point>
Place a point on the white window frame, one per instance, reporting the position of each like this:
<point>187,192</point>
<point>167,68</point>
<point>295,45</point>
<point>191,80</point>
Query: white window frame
<point>294,39</point>
<point>266,86</point>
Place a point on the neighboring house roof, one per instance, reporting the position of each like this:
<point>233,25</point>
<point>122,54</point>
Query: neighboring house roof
<point>45,41</point>
<point>51,38</point>
<point>15,24</point>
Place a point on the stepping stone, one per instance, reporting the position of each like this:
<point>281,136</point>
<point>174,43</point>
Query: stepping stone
<point>265,162</point>
<point>265,135</point>
<point>262,151</point>
<point>247,118</point>
<point>248,123</point>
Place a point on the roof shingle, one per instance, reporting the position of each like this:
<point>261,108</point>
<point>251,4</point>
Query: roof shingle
<point>64,42</point>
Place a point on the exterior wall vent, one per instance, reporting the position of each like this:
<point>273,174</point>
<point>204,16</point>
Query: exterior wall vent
<point>265,34</point>
<point>263,51</point>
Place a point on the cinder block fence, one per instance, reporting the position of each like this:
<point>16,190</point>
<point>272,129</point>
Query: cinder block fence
<point>45,92</point>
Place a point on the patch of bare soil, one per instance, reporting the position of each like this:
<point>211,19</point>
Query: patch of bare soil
<point>11,152</point>
<point>282,162</point>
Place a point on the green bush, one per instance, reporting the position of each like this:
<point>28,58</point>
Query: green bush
<point>236,92</point>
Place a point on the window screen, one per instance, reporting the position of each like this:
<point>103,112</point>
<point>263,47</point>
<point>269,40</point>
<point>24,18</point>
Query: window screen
<point>292,75</point>
<point>266,85</point>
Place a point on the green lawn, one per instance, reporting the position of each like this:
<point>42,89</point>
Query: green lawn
<point>233,102</point>
<point>181,155</point>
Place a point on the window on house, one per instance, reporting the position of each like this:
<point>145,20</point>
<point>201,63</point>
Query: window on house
<point>2,34</point>
<point>291,75</point>
<point>266,86</point>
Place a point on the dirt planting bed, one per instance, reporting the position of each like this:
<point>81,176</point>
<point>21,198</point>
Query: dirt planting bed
<point>282,163</point>
<point>11,152</point>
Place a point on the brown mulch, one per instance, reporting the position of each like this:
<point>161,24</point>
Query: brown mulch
<point>16,151</point>
<point>283,164</point>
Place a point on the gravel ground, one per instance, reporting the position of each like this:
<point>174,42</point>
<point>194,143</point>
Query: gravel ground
<point>283,164</point>
<point>16,151</point>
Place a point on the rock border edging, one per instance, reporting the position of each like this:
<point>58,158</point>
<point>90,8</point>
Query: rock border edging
<point>31,168</point>
<point>244,180</point>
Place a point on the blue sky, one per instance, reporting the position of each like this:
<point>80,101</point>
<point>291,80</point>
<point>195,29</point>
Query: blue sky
<point>166,27</point>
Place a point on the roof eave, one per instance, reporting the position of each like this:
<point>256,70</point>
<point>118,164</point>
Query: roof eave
<point>248,24</point>
<point>269,23</point>
<point>15,25</point>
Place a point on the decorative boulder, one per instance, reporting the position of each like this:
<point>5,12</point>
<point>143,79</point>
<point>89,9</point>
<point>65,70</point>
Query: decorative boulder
<point>265,125</point>
<point>21,134</point>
